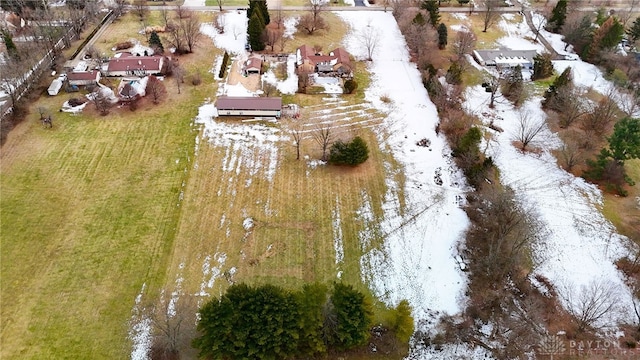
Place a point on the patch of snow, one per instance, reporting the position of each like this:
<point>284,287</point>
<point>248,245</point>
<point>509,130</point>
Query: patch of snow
<point>330,84</point>
<point>193,3</point>
<point>581,244</point>
<point>140,329</point>
<point>413,261</point>
<point>338,244</point>
<point>290,26</point>
<point>234,38</point>
<point>459,27</point>
<point>235,90</point>
<point>73,109</point>
<point>519,35</point>
<point>250,146</point>
<point>460,16</point>
<point>211,273</point>
<point>248,224</point>
<point>288,86</point>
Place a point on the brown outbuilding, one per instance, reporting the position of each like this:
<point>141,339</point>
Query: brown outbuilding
<point>249,106</point>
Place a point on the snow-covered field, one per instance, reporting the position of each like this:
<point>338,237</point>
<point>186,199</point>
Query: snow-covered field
<point>418,258</point>
<point>581,245</point>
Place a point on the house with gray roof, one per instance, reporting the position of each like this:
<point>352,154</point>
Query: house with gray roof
<point>505,58</point>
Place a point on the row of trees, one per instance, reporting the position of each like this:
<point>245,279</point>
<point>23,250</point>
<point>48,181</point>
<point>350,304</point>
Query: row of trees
<point>269,322</point>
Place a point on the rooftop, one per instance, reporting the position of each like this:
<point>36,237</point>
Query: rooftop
<point>248,103</point>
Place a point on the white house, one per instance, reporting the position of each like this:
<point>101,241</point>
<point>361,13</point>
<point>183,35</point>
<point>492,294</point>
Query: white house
<point>505,58</point>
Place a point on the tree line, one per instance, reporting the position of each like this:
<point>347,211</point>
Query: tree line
<point>270,322</point>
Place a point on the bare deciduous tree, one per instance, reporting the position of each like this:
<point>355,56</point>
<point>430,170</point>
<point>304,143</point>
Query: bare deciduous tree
<point>296,133</point>
<point>528,128</point>
<point>311,25</point>
<point>156,89</point>
<point>140,9</point>
<point>279,18</point>
<point>173,323</point>
<point>570,153</point>
<point>491,14</point>
<point>465,43</point>
<point>190,25</point>
<point>369,38</point>
<point>284,39</point>
<point>101,101</point>
<point>272,36</point>
<point>119,7</point>
<point>600,117</point>
<point>572,104</point>
<point>593,303</point>
<point>323,136</point>
<point>178,75</point>
<point>313,21</point>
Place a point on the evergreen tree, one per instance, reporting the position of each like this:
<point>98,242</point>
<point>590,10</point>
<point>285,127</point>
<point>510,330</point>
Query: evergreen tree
<point>156,43</point>
<point>12,50</point>
<point>402,322</point>
<point>350,86</point>
<point>558,17</point>
<point>352,153</point>
<point>255,30</point>
<point>542,66</point>
<point>442,36</point>
<point>612,37</point>
<point>565,79</point>
<point>513,86</point>
<point>624,143</point>
<point>454,74</point>
<point>249,323</point>
<point>261,6</point>
<point>311,300</point>
<point>634,30</point>
<point>419,19</point>
<point>353,316</point>
<point>433,7</point>
<point>607,36</point>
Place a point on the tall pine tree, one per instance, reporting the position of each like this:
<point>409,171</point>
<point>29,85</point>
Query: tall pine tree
<point>634,30</point>
<point>542,66</point>
<point>433,7</point>
<point>255,30</point>
<point>12,50</point>
<point>261,6</point>
<point>558,17</point>
<point>156,43</point>
<point>442,36</point>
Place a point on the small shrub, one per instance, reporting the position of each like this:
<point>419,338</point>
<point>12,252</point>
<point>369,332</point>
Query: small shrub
<point>352,153</point>
<point>124,45</point>
<point>196,79</point>
<point>223,66</point>
<point>350,86</point>
<point>385,99</point>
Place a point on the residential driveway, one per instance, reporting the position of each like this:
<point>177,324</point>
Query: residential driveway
<point>251,82</point>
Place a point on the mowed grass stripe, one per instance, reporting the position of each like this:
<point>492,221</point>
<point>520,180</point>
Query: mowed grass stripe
<point>83,225</point>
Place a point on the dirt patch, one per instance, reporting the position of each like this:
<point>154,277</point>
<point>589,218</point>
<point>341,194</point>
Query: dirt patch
<point>250,82</point>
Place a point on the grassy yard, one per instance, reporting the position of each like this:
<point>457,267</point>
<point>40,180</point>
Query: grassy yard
<point>624,212</point>
<point>88,215</point>
<point>98,206</point>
